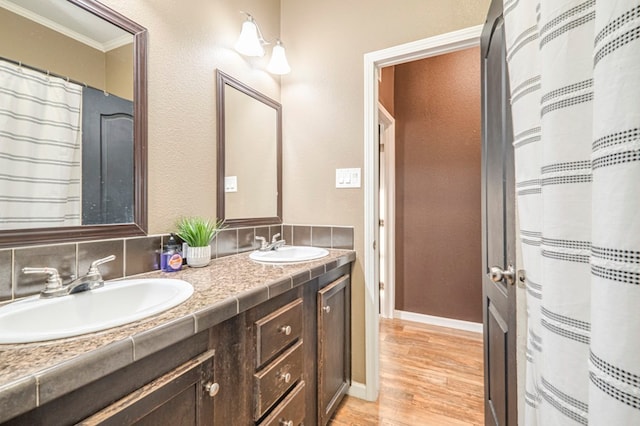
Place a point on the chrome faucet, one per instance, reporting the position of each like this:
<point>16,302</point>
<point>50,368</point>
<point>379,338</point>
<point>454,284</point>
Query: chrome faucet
<point>54,288</point>
<point>274,245</point>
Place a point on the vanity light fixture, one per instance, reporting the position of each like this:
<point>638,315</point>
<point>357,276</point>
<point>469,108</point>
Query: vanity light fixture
<point>278,63</point>
<point>251,43</point>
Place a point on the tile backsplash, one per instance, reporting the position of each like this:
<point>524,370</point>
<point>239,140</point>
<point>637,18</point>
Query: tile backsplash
<point>61,256</point>
<point>6,272</point>
<point>88,252</point>
<point>142,254</point>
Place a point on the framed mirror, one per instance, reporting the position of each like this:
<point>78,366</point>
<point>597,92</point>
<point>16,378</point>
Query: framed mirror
<point>73,139</point>
<point>249,155</point>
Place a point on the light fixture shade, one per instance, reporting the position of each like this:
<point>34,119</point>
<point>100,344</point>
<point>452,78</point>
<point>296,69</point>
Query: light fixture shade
<point>278,63</point>
<point>249,43</point>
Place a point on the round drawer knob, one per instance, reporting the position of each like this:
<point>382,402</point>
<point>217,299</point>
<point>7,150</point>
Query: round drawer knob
<point>285,377</point>
<point>327,309</point>
<point>212,388</point>
<point>285,329</point>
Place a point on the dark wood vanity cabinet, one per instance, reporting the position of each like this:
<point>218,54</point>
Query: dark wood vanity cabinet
<point>298,353</point>
<point>334,358</point>
<point>170,378</point>
<point>286,361</point>
<point>278,357</point>
<point>183,396</point>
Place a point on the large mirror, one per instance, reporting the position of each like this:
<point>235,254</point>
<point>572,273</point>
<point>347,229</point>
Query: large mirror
<point>249,155</point>
<point>73,122</point>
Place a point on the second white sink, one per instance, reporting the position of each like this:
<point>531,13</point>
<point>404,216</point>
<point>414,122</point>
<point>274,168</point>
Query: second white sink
<point>289,254</point>
<point>120,302</point>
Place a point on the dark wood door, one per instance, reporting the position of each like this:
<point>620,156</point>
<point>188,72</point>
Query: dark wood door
<point>107,158</point>
<point>498,223</point>
<point>333,342</point>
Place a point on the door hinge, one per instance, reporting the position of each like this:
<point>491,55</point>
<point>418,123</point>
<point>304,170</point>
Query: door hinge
<point>375,245</point>
<point>381,285</point>
<point>381,222</point>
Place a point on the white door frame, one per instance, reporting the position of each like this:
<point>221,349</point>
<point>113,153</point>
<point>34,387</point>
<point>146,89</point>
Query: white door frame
<point>388,140</point>
<point>373,61</point>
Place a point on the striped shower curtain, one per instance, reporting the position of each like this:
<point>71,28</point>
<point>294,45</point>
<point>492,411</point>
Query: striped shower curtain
<point>40,149</point>
<point>574,71</point>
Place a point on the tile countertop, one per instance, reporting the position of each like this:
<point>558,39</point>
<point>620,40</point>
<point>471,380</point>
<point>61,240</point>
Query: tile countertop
<point>32,374</point>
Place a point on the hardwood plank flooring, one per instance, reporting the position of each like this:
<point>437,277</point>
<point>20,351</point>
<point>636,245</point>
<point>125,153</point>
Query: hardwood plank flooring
<point>429,376</point>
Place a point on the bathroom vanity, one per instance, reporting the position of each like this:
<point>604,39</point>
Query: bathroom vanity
<point>256,344</point>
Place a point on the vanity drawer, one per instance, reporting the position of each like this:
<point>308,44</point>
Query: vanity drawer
<point>290,411</point>
<point>275,331</point>
<point>272,382</point>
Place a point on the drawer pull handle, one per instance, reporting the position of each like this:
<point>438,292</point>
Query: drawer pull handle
<point>286,422</point>
<point>285,329</point>
<point>212,389</point>
<point>327,309</point>
<point>285,377</point>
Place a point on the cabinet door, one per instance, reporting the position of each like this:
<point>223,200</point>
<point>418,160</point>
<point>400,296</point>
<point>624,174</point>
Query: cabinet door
<point>334,341</point>
<point>183,396</point>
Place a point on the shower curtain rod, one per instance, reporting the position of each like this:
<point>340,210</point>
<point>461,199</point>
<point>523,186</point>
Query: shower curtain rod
<point>49,73</point>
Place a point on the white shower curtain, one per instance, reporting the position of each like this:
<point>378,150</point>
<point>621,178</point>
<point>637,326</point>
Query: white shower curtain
<point>40,155</point>
<point>574,71</point>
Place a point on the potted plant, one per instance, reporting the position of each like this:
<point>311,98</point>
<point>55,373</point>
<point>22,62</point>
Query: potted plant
<point>198,232</point>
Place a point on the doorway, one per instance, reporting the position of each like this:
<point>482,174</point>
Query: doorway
<point>446,43</point>
<point>387,212</point>
<point>436,106</point>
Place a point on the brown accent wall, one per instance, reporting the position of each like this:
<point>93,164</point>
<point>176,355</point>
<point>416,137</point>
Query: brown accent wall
<point>386,88</point>
<point>438,229</point>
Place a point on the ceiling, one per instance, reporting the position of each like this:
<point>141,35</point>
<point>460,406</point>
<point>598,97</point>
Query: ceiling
<point>72,21</point>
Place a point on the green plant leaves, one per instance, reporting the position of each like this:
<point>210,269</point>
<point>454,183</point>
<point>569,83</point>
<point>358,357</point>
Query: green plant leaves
<point>197,231</point>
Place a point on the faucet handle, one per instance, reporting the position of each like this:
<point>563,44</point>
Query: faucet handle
<point>263,242</point>
<point>54,281</point>
<point>275,238</point>
<point>93,269</point>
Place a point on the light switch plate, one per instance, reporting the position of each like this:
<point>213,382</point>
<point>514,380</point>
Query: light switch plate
<point>348,178</point>
<point>231,184</point>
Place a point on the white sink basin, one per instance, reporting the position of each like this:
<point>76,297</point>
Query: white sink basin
<point>120,302</point>
<point>289,254</point>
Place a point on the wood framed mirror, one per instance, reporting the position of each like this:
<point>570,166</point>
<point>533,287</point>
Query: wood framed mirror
<point>249,187</point>
<point>70,24</point>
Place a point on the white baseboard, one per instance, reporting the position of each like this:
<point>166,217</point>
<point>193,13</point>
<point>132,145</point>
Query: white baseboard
<point>357,390</point>
<point>439,321</point>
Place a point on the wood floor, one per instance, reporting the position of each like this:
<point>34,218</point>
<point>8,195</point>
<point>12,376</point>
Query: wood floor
<point>428,376</point>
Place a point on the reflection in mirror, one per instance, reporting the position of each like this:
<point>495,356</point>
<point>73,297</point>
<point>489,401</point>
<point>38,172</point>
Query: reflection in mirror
<point>72,122</point>
<point>250,157</point>
<point>249,154</point>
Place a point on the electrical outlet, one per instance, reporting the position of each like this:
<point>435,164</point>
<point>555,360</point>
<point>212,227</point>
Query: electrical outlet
<point>231,184</point>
